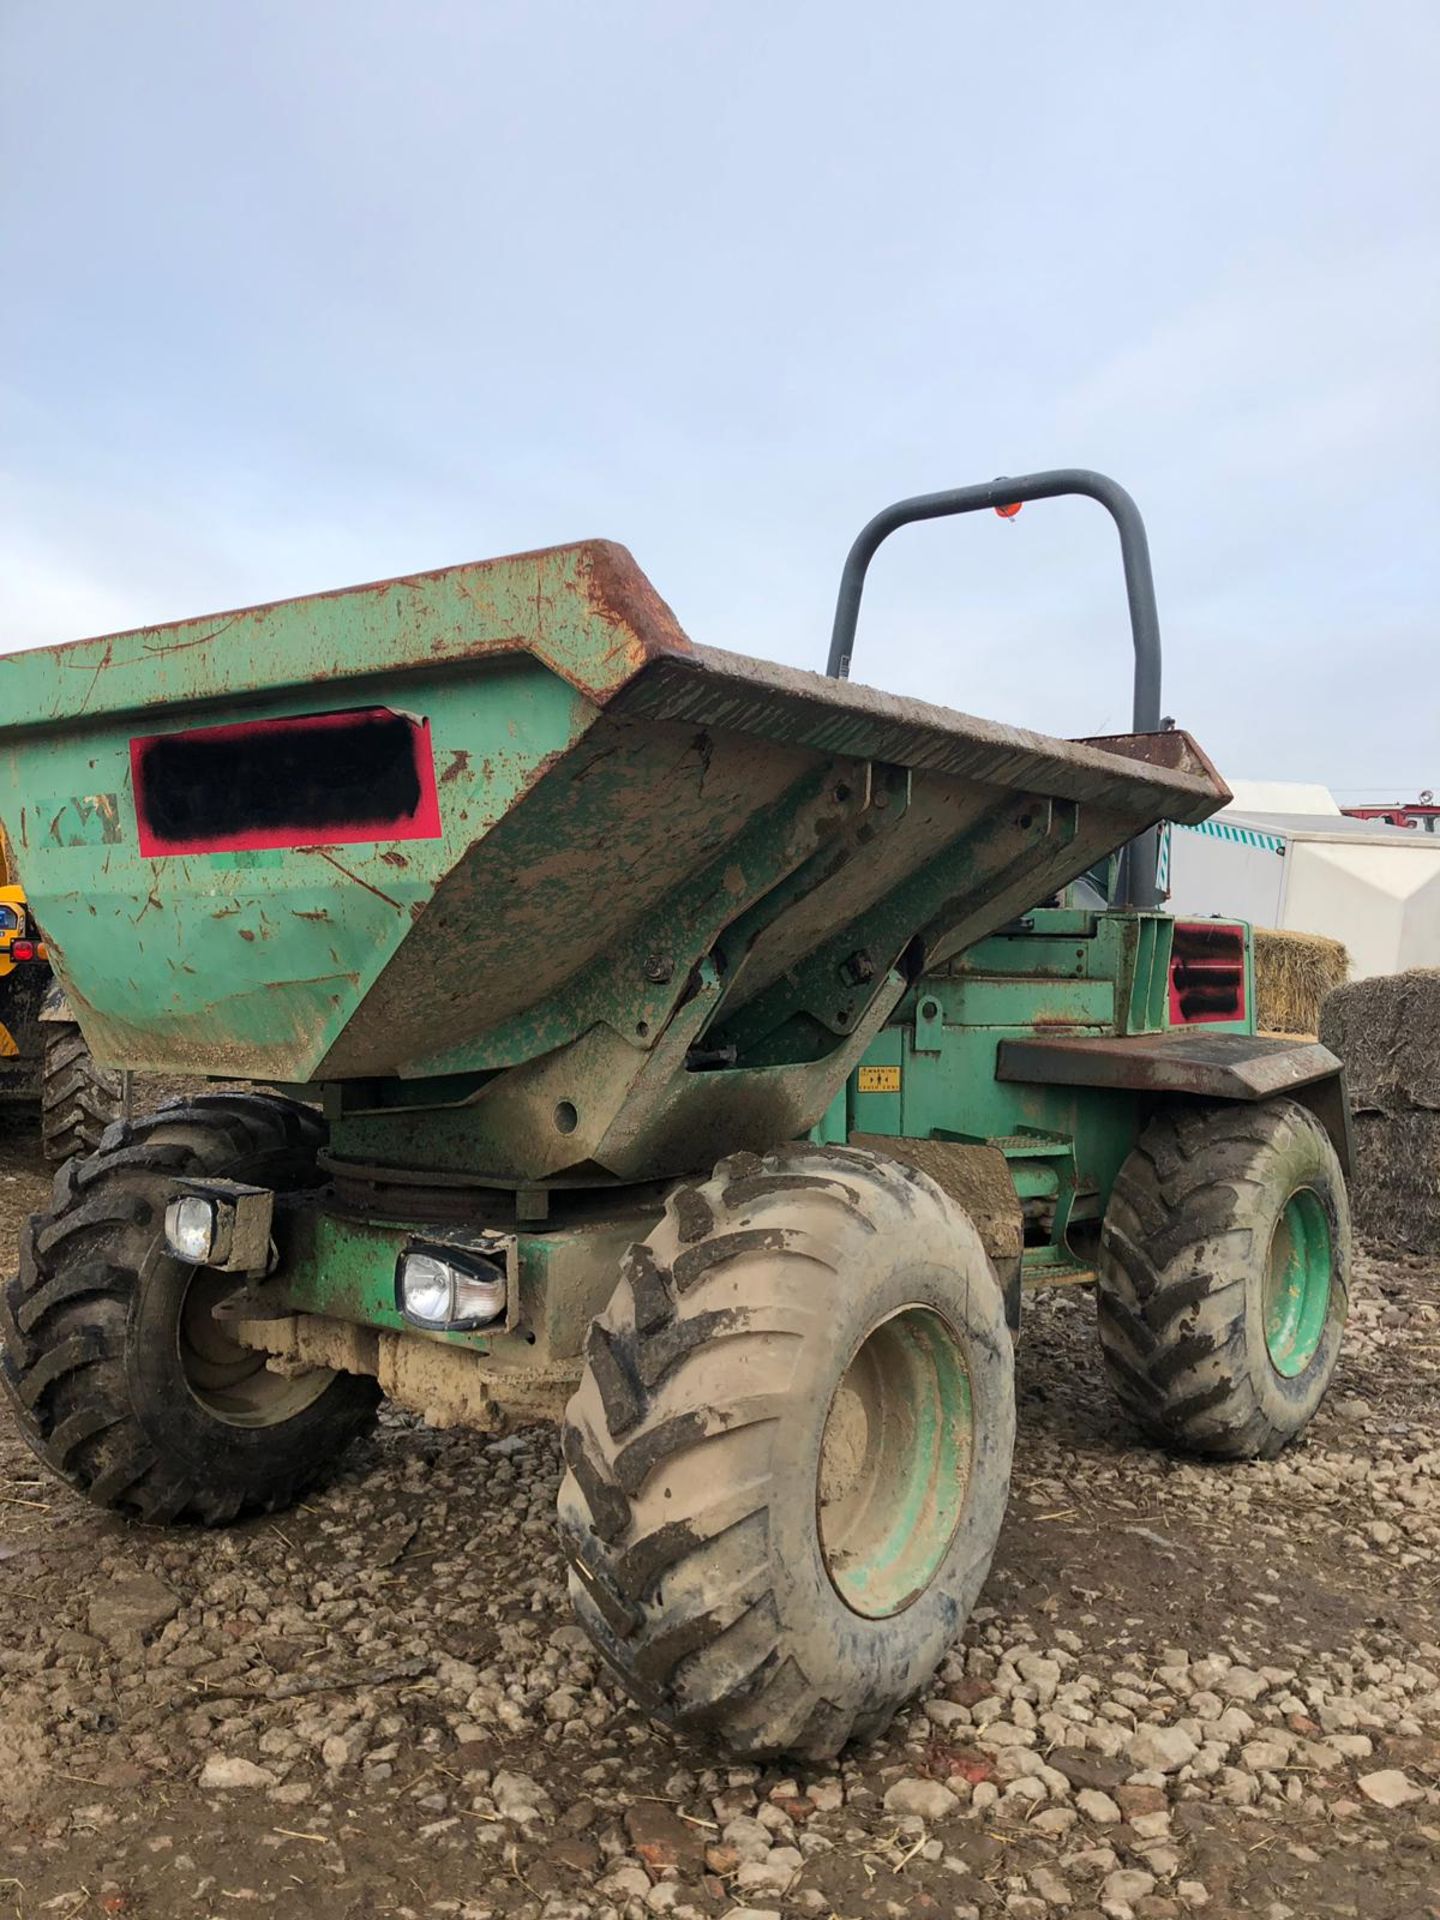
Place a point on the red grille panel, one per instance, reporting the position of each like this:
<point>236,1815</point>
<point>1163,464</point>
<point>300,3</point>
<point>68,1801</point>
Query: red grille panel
<point>1207,973</point>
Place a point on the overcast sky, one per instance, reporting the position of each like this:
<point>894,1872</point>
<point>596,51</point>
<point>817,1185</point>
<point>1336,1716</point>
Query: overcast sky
<point>304,292</point>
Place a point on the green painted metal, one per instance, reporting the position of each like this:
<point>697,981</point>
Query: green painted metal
<point>344,1268</point>
<point>1125,954</point>
<point>1013,1001</point>
<point>183,963</point>
<point>953,1092</point>
<point>1298,1277</point>
<point>905,1408</point>
<point>823,996</point>
<point>671,898</point>
<point>1143,989</point>
<point>1059,970</point>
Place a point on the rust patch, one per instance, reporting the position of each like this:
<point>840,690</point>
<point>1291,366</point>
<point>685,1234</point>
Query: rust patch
<point>1174,750</point>
<point>105,660</point>
<point>618,593</point>
<point>459,764</point>
<point>378,892</point>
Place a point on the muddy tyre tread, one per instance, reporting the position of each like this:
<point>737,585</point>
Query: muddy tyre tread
<point>78,1099</point>
<point>1177,1294</point>
<point>64,1318</point>
<point>715,1659</point>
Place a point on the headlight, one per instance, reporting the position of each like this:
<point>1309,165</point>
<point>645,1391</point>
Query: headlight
<point>222,1224</point>
<point>427,1288</point>
<point>190,1224</point>
<point>452,1290</point>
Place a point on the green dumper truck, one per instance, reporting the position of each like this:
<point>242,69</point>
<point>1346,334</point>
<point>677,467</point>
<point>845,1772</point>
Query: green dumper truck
<point>703,1053</point>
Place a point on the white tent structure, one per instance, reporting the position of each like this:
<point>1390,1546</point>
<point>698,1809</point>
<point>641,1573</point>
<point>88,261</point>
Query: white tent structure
<point>1372,886</point>
<point>1282,796</point>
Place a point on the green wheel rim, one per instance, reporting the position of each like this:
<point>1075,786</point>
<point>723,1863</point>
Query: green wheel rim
<point>232,1383</point>
<point>1297,1284</point>
<point>894,1465</point>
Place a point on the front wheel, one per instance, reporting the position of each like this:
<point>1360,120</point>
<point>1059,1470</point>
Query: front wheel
<point>789,1456</point>
<point>1224,1277</point>
<point>122,1379</point>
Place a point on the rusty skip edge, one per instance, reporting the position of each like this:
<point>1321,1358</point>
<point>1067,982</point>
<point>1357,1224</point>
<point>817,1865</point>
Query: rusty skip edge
<point>597,583</point>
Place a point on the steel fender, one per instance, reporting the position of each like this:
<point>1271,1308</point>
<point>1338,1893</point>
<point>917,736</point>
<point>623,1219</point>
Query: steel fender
<point>1183,1064</point>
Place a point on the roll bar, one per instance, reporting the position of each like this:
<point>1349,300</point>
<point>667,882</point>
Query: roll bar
<point>1139,885</point>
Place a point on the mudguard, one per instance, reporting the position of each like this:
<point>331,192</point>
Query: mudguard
<point>1182,1063</point>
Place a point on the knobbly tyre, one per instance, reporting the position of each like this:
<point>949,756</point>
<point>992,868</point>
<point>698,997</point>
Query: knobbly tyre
<point>702,1052</point>
<point>44,1060</point>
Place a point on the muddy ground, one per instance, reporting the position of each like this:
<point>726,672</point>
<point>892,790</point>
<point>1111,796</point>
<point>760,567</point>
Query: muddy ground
<point>1187,1689</point>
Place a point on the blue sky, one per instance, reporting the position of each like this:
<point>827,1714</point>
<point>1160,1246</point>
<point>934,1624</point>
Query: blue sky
<point>302,294</point>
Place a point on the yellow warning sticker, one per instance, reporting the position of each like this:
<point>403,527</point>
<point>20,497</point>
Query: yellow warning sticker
<point>879,1080</point>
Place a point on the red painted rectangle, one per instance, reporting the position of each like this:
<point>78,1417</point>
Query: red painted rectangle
<point>1207,973</point>
<point>308,780</point>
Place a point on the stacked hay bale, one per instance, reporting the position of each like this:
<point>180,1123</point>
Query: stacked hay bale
<point>1387,1032</point>
<point>1293,974</point>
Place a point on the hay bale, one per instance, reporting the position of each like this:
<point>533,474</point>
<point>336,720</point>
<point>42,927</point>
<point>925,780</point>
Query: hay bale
<point>1395,1179</point>
<point>1387,1033</point>
<point>1293,974</point>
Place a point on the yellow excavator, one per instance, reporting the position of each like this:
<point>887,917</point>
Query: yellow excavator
<point>43,1056</point>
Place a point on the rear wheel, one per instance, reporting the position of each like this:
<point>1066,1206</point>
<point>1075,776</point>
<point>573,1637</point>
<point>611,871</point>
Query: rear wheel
<point>789,1457</point>
<point>123,1381</point>
<point>1224,1277</point>
<point>78,1100</point>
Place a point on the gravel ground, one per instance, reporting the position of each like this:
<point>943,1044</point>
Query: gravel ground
<point>1189,1689</point>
